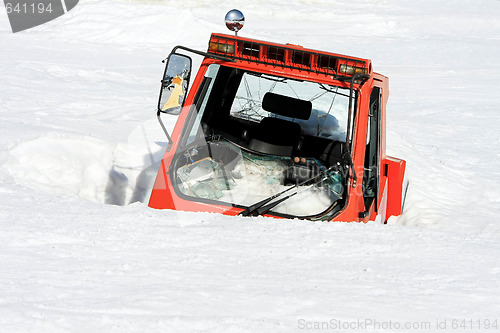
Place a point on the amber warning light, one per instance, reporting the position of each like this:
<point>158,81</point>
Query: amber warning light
<point>221,47</point>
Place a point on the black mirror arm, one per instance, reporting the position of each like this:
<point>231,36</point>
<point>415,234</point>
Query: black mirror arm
<point>169,138</point>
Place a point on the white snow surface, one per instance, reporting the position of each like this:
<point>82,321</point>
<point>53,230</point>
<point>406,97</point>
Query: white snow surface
<point>79,142</point>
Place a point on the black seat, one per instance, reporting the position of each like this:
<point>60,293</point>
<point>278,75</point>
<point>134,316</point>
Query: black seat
<point>334,153</point>
<point>278,136</point>
<point>275,136</point>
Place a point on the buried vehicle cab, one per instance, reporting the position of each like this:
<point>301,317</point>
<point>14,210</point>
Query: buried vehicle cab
<point>277,130</point>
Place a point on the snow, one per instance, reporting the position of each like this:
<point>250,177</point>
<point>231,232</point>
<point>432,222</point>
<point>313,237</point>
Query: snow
<point>78,142</point>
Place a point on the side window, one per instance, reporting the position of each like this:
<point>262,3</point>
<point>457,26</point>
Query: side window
<point>202,99</point>
<point>372,153</point>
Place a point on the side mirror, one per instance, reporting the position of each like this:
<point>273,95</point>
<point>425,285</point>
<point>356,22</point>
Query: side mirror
<point>174,84</point>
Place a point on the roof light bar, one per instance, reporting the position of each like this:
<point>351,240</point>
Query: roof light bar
<point>288,56</point>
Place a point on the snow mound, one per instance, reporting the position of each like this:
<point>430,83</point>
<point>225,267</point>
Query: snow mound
<point>87,167</point>
<point>63,164</point>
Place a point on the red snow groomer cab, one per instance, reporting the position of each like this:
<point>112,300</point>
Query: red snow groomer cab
<point>277,130</point>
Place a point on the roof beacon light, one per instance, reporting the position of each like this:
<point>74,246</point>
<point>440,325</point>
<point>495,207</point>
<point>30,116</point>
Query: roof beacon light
<point>235,20</point>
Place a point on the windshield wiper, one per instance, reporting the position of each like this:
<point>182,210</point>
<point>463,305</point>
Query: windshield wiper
<point>264,206</point>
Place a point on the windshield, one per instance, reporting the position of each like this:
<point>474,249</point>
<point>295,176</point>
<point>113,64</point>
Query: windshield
<point>249,136</point>
<point>328,116</point>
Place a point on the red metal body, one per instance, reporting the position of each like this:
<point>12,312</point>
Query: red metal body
<point>296,62</point>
